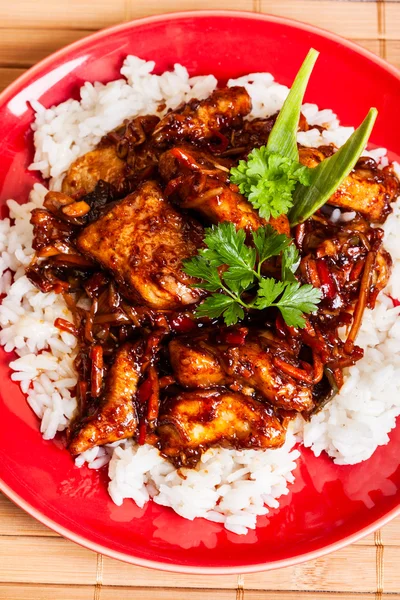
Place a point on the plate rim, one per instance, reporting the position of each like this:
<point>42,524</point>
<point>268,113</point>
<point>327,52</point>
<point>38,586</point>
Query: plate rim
<point>14,88</point>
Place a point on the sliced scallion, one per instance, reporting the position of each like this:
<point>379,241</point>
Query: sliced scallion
<point>282,138</point>
<point>326,177</point>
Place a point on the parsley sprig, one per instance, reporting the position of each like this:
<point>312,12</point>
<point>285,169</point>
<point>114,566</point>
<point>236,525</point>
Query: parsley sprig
<point>269,180</point>
<point>231,270</point>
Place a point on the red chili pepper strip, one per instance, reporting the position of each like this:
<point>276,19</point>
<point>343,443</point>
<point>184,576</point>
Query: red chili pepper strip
<point>328,285</point>
<point>66,326</point>
<point>144,391</point>
<point>291,370</point>
<point>142,432</point>
<point>396,302</point>
<point>361,302</point>
<point>356,270</point>
<point>234,337</point>
<point>96,355</point>
<point>182,324</point>
<point>185,159</point>
<point>153,403</point>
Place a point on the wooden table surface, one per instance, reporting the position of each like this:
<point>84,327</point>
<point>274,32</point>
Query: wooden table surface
<point>37,564</point>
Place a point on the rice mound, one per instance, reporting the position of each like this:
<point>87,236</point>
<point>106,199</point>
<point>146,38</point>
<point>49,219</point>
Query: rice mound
<point>230,487</point>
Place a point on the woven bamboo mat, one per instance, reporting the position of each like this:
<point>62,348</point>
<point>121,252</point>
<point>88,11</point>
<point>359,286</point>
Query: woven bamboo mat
<point>35,563</point>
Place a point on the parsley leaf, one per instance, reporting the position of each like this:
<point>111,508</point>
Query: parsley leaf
<point>233,314</point>
<point>269,180</point>
<point>228,246</point>
<point>296,300</point>
<point>292,299</point>
<point>270,289</point>
<point>202,269</point>
<point>219,305</point>
<point>290,263</point>
<point>228,267</point>
<point>269,243</point>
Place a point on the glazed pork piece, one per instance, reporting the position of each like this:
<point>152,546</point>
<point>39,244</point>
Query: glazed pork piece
<point>196,364</point>
<point>100,164</point>
<point>115,418</point>
<point>367,190</point>
<point>200,364</point>
<point>191,422</point>
<point>142,241</point>
<point>122,157</point>
<point>199,181</point>
<point>202,121</point>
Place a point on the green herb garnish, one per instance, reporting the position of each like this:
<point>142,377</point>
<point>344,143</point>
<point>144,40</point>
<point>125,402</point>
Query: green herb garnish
<point>231,269</point>
<point>326,177</point>
<point>269,180</point>
<point>271,173</point>
<point>290,263</point>
<point>292,299</point>
<point>273,179</point>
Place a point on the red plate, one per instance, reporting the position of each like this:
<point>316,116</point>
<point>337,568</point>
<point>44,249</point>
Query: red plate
<point>328,506</point>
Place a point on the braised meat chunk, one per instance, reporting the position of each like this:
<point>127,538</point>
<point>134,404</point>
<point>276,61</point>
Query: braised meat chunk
<point>198,181</point>
<point>254,365</point>
<point>195,364</point>
<point>194,421</point>
<point>115,418</point>
<point>202,120</point>
<point>201,364</point>
<point>100,164</point>
<point>142,241</point>
<point>367,189</point>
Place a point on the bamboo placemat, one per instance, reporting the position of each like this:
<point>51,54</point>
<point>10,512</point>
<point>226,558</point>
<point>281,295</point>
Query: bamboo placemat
<point>37,564</point>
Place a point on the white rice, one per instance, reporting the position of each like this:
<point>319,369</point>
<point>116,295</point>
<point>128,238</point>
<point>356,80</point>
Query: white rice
<point>228,486</point>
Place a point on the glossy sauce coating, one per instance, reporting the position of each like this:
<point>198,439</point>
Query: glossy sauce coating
<point>197,420</point>
<point>202,364</point>
<point>129,213</point>
<point>142,241</point>
<point>116,416</point>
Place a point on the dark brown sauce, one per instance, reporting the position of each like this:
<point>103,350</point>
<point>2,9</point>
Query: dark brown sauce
<point>189,160</point>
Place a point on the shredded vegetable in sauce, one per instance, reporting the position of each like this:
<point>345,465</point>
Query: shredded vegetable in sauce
<point>209,287</point>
